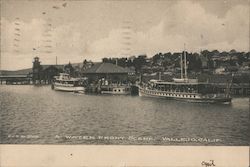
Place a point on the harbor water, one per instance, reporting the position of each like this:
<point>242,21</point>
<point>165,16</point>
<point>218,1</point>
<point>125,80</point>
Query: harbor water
<point>38,115</point>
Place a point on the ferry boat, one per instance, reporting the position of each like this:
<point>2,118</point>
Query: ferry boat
<point>184,89</point>
<point>187,91</point>
<point>64,82</point>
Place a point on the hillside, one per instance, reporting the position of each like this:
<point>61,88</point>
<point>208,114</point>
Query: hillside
<point>17,72</point>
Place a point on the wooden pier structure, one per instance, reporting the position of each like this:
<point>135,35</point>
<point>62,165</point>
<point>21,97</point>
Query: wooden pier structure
<point>16,79</point>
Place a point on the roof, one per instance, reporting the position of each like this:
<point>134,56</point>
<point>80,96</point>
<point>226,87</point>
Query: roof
<point>106,68</point>
<point>14,76</point>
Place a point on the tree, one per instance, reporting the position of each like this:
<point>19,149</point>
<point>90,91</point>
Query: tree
<point>139,62</point>
<point>85,62</point>
<point>157,57</point>
<point>105,60</point>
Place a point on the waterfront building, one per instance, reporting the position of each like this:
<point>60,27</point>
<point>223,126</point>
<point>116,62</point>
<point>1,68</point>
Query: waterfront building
<point>49,71</point>
<point>43,74</point>
<point>112,73</point>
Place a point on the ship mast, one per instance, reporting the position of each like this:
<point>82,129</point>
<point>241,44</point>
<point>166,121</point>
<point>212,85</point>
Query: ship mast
<point>181,67</point>
<point>185,61</point>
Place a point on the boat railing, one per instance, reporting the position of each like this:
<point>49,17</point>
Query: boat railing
<point>171,91</point>
<point>116,85</point>
<point>215,95</point>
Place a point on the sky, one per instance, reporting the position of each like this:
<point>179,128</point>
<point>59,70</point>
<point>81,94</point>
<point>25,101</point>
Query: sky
<point>74,30</point>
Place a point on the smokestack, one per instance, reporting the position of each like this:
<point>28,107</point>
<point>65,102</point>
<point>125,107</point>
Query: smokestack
<point>56,60</point>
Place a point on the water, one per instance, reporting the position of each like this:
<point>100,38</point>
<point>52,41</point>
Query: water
<point>39,115</point>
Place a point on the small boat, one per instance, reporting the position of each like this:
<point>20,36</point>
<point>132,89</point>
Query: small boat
<point>116,89</point>
<point>184,89</point>
<point>113,88</point>
<point>64,82</point>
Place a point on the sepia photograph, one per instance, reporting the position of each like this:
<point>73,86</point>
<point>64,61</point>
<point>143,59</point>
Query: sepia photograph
<point>125,73</point>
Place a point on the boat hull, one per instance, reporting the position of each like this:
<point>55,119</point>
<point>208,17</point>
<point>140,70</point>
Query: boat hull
<point>195,98</point>
<point>116,90</point>
<point>115,93</point>
<point>69,89</point>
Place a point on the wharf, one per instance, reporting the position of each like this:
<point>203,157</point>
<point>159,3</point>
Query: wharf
<point>15,79</point>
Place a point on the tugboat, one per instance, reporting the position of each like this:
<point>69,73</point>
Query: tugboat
<point>64,82</point>
<point>184,89</point>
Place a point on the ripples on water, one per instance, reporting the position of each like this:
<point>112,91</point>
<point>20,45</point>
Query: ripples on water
<point>52,116</point>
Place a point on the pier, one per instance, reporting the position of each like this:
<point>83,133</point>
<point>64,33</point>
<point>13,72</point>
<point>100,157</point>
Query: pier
<point>15,79</point>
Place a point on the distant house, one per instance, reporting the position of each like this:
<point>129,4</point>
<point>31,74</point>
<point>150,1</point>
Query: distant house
<point>109,72</point>
<point>149,61</point>
<point>226,69</point>
<point>132,58</point>
<point>204,61</point>
<point>220,70</point>
<point>246,64</point>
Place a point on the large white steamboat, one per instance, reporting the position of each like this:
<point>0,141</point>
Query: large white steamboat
<point>191,91</point>
<point>184,89</point>
<point>64,82</point>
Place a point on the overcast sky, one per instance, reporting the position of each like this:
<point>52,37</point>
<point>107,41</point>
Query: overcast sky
<point>77,30</point>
